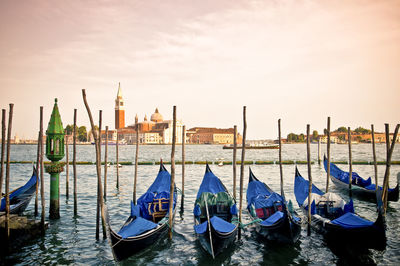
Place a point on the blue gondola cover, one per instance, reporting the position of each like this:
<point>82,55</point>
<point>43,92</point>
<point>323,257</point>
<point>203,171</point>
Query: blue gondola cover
<point>136,227</point>
<point>350,220</point>
<point>201,228</point>
<point>272,219</point>
<point>221,225</point>
<point>210,183</point>
<point>301,189</point>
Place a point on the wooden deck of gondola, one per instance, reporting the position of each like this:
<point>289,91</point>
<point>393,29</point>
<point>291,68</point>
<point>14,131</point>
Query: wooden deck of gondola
<point>21,229</point>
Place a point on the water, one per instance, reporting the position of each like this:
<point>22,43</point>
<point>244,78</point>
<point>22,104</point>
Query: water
<point>72,240</point>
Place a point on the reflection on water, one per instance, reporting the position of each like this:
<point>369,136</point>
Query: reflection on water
<point>72,240</point>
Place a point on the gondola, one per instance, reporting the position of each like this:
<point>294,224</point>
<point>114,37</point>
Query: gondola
<point>148,220</point>
<point>360,187</point>
<point>20,197</point>
<point>215,214</point>
<point>336,221</point>
<point>276,222</point>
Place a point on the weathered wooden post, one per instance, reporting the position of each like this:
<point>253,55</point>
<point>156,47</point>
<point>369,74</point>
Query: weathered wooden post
<point>98,160</point>
<point>242,168</point>
<point>42,220</point>
<point>37,177</point>
<point>172,186</point>
<point>66,168</point>
<point>234,159</point>
<point>55,152</point>
<point>280,157</point>
<point>389,149</point>
<point>74,167</point>
<point>374,158</point>
<point>136,159</point>
<point>350,162</point>
<point>117,159</point>
<point>328,146</point>
<point>98,144</point>
<point>309,180</point>
<point>319,151</point>
<point>3,143</point>
<point>7,222</point>
<point>183,165</point>
<point>105,164</point>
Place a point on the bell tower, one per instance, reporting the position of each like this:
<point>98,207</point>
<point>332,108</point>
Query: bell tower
<point>119,110</point>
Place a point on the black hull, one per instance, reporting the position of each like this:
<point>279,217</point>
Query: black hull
<point>370,237</point>
<point>286,231</point>
<point>125,248</point>
<point>220,241</point>
<point>362,193</point>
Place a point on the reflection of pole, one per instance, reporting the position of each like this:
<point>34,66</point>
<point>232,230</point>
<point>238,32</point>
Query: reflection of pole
<point>66,168</point>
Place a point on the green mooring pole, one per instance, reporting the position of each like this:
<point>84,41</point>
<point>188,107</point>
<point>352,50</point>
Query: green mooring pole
<point>55,152</point>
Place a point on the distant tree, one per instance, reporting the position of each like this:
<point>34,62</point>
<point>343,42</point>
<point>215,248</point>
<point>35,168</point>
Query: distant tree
<point>301,138</point>
<point>82,134</point>
<point>315,135</point>
<point>361,130</point>
<point>292,137</point>
<point>341,137</point>
<point>342,129</point>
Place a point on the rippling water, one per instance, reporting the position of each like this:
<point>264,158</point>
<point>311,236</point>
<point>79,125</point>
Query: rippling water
<point>71,240</point>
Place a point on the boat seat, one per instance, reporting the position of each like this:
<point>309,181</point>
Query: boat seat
<point>265,212</point>
<point>223,206</point>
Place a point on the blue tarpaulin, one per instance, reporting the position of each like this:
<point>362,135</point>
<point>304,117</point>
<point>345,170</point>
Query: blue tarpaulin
<point>350,220</point>
<point>201,228</point>
<point>136,227</point>
<point>301,188</point>
<point>221,225</point>
<point>272,219</point>
<point>210,183</point>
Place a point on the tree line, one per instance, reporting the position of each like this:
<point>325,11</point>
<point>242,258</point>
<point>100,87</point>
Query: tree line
<point>292,137</point>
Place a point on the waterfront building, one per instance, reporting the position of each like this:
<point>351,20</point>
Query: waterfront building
<point>211,135</point>
<point>119,110</point>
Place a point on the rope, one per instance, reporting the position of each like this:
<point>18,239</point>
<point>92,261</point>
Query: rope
<point>242,225</point>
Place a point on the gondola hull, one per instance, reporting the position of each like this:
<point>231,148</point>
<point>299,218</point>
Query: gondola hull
<point>285,231</point>
<point>220,241</point>
<point>125,248</point>
<point>369,237</point>
<point>362,193</point>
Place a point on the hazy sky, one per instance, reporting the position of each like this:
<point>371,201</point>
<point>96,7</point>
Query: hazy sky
<point>295,60</point>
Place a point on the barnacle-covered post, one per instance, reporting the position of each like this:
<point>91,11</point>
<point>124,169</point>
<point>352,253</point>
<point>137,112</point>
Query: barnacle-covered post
<point>55,152</point>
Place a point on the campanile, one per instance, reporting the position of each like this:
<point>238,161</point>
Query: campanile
<point>119,110</point>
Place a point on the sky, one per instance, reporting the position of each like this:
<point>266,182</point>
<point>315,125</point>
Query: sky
<point>297,60</point>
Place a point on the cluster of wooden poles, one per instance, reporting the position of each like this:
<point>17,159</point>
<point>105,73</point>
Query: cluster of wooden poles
<point>382,199</point>
<point>101,192</point>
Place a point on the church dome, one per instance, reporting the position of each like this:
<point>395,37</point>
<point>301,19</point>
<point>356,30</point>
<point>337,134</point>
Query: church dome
<point>156,117</point>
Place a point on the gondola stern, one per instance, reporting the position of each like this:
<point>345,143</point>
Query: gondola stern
<point>252,176</point>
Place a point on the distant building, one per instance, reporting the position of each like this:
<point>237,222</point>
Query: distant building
<point>119,110</point>
<point>210,135</point>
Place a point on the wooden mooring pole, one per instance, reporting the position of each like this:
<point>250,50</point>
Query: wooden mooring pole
<point>172,186</point>
<point>309,180</point>
<point>98,164</point>
<point>328,147</point>
<point>7,222</point>
<point>280,157</point>
<point>98,144</point>
<point>66,168</point>
<point>242,169</point>
<point>105,163</point>
<point>136,162</point>
<point>319,151</point>
<point>389,152</point>
<point>350,162</point>
<point>183,165</point>
<point>37,177</point>
<point>74,167</point>
<point>42,221</point>
<point>374,158</point>
<point>3,143</point>
<point>234,159</point>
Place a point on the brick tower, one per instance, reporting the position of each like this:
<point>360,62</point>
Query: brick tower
<point>119,110</point>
